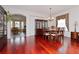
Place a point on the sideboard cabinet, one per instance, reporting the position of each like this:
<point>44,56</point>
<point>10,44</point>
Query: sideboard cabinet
<point>74,36</point>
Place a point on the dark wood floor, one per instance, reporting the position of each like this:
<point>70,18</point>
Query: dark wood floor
<point>21,44</point>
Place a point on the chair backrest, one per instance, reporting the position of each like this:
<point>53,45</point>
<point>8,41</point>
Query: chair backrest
<point>45,31</point>
<point>61,31</point>
<point>52,27</point>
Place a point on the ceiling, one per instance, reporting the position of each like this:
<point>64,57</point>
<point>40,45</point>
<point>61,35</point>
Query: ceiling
<point>43,9</point>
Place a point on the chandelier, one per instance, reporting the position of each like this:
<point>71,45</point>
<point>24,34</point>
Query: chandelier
<point>50,18</point>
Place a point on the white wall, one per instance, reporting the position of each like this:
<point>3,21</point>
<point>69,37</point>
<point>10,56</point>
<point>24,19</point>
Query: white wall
<point>30,16</point>
<point>30,19</point>
<point>9,30</point>
<point>30,26</point>
<point>73,16</point>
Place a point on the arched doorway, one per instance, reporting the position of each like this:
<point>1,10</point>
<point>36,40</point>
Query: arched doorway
<point>18,24</point>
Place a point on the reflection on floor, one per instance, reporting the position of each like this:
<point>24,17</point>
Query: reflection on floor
<point>20,44</point>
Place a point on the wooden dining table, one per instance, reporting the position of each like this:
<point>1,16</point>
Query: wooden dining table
<point>57,32</point>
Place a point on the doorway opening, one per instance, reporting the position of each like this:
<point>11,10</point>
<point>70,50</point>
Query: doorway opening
<point>18,24</point>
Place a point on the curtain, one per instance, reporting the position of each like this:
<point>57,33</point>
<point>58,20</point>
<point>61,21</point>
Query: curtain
<point>64,17</point>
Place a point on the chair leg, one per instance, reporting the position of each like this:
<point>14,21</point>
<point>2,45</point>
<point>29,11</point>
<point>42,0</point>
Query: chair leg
<point>61,39</point>
<point>57,37</point>
<point>44,37</point>
<point>49,37</point>
<point>52,37</point>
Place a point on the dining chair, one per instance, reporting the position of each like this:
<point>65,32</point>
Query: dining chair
<point>61,33</point>
<point>54,35</point>
<point>46,34</point>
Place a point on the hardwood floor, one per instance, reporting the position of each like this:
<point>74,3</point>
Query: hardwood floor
<point>20,44</point>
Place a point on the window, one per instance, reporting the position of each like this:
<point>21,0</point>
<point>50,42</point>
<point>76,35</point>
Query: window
<point>66,20</point>
<point>22,25</point>
<point>11,24</point>
<point>17,24</point>
<point>62,23</point>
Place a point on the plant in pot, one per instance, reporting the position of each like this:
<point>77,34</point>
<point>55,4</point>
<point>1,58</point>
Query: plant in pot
<point>8,17</point>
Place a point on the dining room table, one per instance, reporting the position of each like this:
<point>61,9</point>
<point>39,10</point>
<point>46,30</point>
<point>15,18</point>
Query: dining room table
<point>55,32</point>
